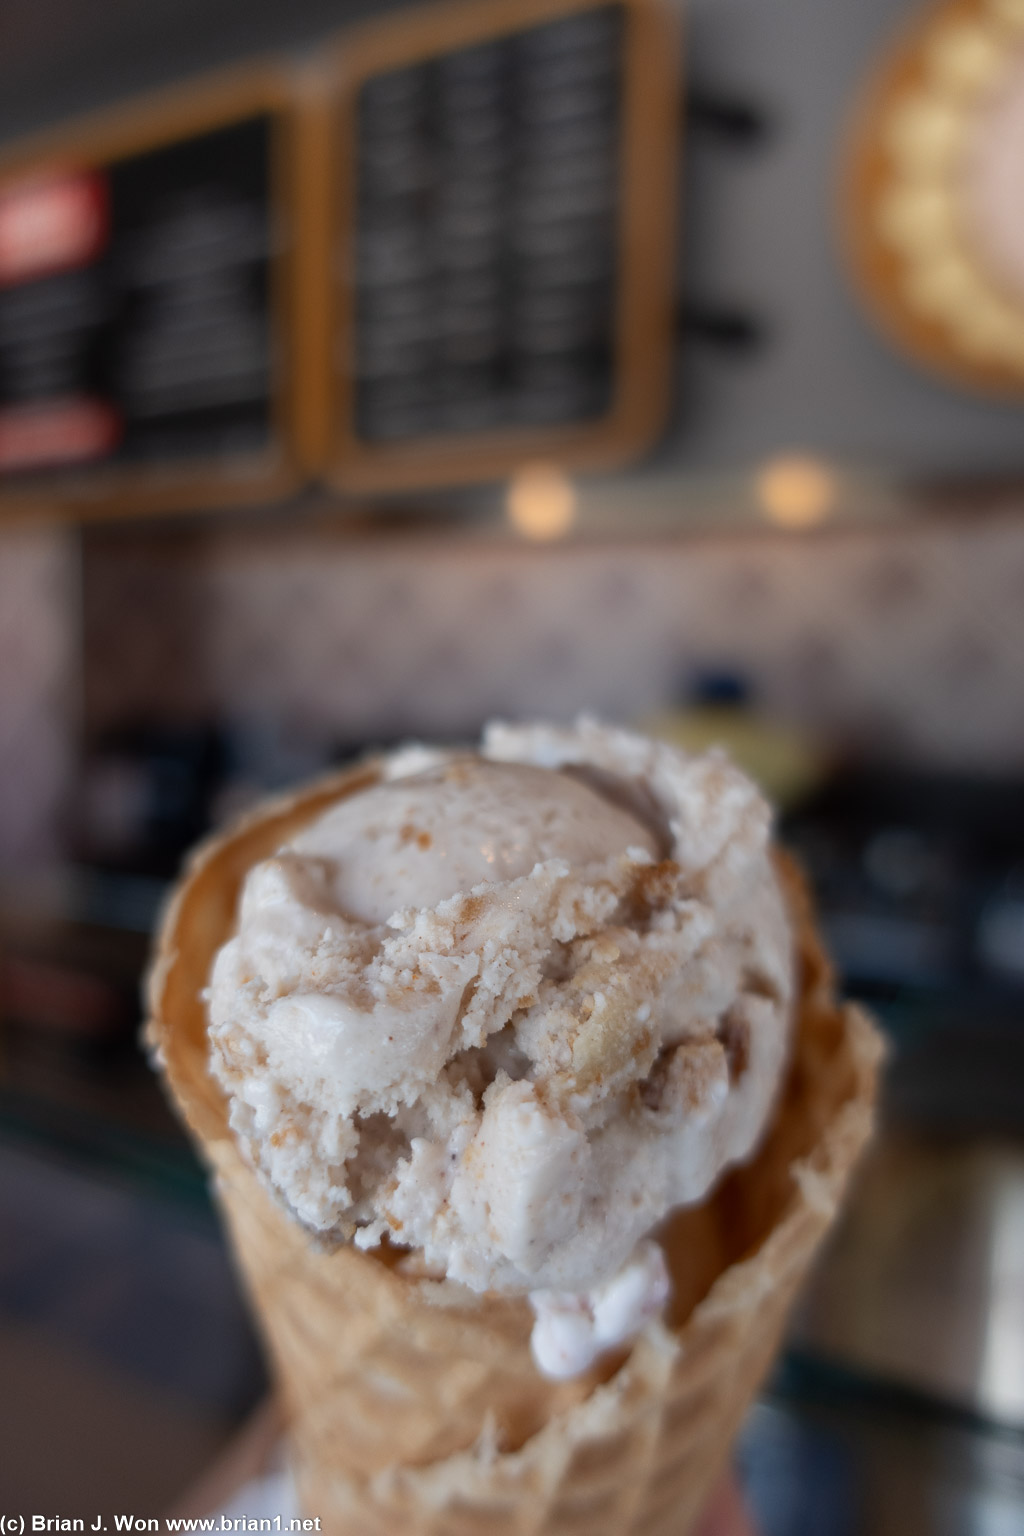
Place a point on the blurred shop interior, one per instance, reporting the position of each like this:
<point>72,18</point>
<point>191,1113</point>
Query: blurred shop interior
<point>368,371</point>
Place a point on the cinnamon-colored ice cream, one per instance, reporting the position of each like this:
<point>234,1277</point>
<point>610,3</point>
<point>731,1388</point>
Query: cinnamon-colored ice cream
<point>510,1008</point>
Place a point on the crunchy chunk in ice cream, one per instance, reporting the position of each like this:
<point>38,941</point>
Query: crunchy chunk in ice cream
<point>511,1008</point>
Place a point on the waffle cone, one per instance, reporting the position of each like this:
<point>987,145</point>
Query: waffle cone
<point>412,1404</point>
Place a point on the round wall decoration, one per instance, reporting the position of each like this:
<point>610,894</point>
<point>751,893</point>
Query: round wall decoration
<point>934,205</point>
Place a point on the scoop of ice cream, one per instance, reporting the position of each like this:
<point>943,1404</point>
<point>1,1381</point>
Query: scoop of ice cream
<point>510,1010</point>
<point>413,842</point>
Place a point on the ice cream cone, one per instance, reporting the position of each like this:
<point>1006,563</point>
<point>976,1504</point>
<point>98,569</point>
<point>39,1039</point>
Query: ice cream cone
<point>413,1404</point>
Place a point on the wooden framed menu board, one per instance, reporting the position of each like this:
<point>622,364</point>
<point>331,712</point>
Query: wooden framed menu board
<point>148,309</point>
<point>502,263</point>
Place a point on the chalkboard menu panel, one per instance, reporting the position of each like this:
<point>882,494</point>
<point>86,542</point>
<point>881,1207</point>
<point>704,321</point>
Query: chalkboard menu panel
<point>486,250</point>
<point>141,348</point>
<point>504,240</point>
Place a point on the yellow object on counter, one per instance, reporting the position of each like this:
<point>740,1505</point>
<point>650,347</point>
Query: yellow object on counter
<point>785,762</point>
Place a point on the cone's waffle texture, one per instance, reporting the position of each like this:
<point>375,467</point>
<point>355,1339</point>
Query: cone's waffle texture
<point>413,1405</point>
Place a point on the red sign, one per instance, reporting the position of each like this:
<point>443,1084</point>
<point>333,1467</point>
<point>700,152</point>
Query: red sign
<point>56,432</point>
<point>51,223</point>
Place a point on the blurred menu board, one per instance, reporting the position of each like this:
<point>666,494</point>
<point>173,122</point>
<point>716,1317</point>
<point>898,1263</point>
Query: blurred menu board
<point>503,239</point>
<point>144,307</point>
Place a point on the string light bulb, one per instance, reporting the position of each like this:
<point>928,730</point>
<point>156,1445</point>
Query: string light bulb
<point>541,502</point>
<point>795,490</point>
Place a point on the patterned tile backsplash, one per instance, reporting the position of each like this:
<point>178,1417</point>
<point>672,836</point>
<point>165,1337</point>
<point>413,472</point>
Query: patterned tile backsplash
<point>905,643</point>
